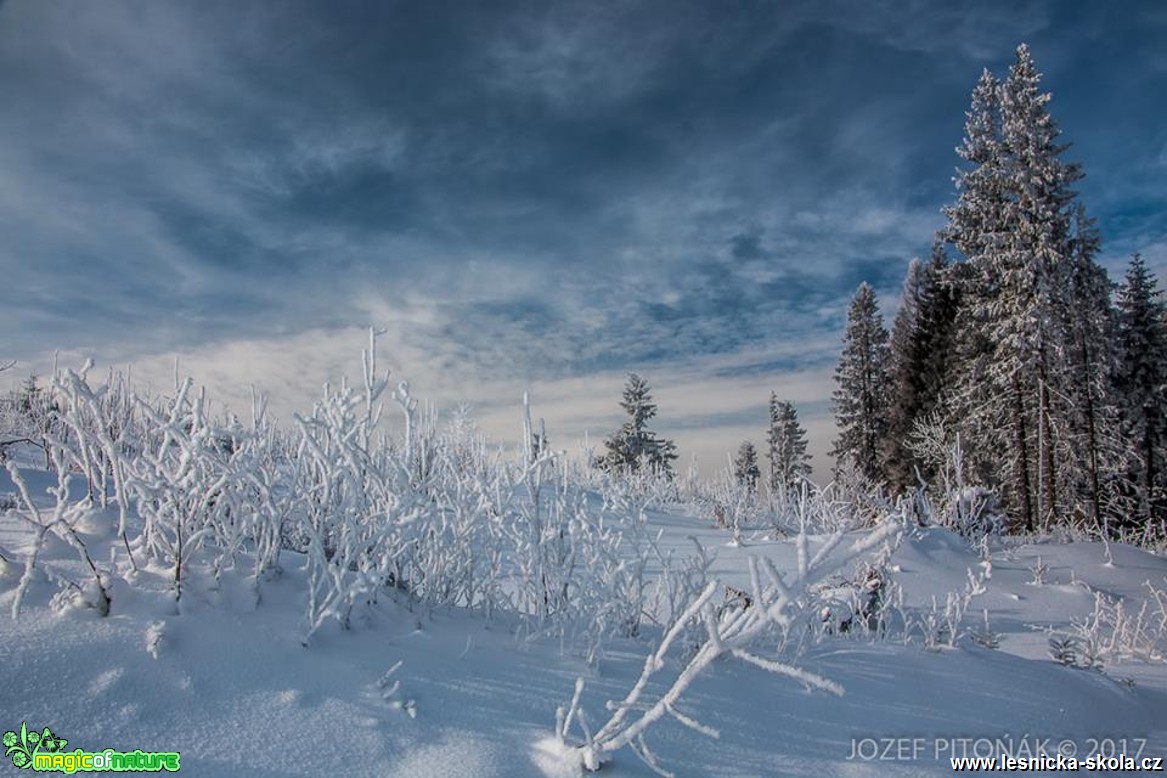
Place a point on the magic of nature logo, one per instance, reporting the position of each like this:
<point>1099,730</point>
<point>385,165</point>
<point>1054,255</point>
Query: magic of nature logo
<point>45,751</point>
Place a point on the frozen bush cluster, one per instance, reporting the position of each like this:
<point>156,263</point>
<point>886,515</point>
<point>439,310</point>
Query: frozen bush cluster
<point>431,514</point>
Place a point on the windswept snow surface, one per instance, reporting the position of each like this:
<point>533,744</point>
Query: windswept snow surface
<point>225,681</point>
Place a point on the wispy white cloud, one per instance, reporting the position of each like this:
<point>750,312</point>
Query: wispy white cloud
<point>708,404</point>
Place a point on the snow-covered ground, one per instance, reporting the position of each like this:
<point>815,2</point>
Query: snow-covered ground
<point>413,692</point>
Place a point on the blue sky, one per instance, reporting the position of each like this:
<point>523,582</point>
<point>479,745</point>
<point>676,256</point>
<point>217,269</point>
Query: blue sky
<point>535,196</point>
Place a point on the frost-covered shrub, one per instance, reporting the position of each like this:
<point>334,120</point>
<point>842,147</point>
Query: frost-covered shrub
<point>1039,570</point>
<point>579,570</point>
<point>1112,632</point>
<point>775,604</point>
<point>732,504</point>
<point>811,508</point>
<point>973,512</point>
<point>1064,651</point>
<point>985,635</point>
<point>862,604</point>
<point>942,624</point>
<point>183,485</point>
<point>62,522</point>
<point>956,501</point>
<point>356,505</point>
<point>867,501</point>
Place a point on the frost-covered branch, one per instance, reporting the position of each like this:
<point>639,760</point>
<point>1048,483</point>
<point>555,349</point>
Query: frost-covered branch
<point>774,604</point>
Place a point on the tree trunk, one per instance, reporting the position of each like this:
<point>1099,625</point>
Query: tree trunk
<point>1091,435</point>
<point>1049,467</point>
<point>1021,476</point>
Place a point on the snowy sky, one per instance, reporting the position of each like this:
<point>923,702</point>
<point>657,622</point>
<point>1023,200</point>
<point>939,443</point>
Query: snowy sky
<point>525,195</point>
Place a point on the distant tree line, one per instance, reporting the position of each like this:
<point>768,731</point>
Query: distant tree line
<point>786,450</point>
<point>634,448</point>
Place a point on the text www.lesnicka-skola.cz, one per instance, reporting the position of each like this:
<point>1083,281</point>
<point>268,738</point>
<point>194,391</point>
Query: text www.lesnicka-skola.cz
<point>1056,763</point>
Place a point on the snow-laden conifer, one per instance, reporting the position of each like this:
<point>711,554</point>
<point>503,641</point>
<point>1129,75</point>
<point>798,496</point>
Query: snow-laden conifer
<point>745,466</point>
<point>1142,386</point>
<point>1030,391</point>
<point>786,443</point>
<point>634,445</point>
<point>920,348</point>
<point>860,399</point>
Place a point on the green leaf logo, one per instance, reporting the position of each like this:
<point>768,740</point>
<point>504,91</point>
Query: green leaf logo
<point>23,747</point>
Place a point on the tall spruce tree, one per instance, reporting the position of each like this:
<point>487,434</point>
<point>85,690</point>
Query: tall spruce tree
<point>1141,384</point>
<point>634,445</point>
<point>976,226</point>
<point>1030,251</point>
<point>786,439</point>
<point>860,396</point>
